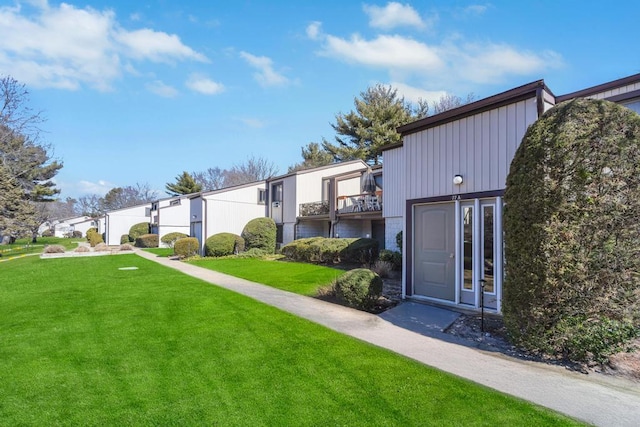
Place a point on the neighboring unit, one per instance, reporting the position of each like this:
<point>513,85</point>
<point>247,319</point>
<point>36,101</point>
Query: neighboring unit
<point>65,227</point>
<point>304,203</point>
<point>118,222</point>
<point>170,215</point>
<point>226,210</point>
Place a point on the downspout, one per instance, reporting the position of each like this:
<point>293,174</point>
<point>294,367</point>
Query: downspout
<point>333,227</point>
<point>204,225</point>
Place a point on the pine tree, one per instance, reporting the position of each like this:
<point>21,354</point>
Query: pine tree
<point>17,214</point>
<point>185,184</point>
<point>362,133</point>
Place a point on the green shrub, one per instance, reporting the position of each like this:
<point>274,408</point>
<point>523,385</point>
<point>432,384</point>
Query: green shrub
<point>222,244</point>
<point>260,233</point>
<point>169,239</point>
<point>359,288</point>
<point>147,241</point>
<point>399,241</point>
<point>579,338</point>
<point>186,247</point>
<point>392,257</point>
<point>571,284</point>
<point>332,250</point>
<point>47,233</point>
<point>138,230</point>
<point>77,234</point>
<point>253,253</point>
<point>363,251</point>
<point>124,239</point>
<point>93,237</point>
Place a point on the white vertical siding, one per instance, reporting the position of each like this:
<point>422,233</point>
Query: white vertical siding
<point>394,186</point>
<point>479,147</point>
<point>229,211</point>
<point>119,222</point>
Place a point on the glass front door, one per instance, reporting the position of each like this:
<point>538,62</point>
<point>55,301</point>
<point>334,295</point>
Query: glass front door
<point>479,253</point>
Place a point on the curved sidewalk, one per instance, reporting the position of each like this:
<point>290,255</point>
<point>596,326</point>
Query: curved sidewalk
<point>595,399</point>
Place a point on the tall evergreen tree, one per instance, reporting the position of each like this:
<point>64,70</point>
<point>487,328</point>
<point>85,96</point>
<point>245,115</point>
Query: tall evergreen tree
<point>362,133</point>
<point>185,184</point>
<point>25,159</point>
<point>17,214</point>
<point>313,156</point>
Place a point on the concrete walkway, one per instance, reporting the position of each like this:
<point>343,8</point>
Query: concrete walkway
<point>595,399</point>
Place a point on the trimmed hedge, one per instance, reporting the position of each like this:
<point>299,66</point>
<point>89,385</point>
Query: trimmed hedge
<point>186,247</point>
<point>124,239</point>
<point>359,288</point>
<point>138,230</point>
<point>170,239</point>
<point>260,233</point>
<point>223,244</point>
<point>332,250</point>
<point>147,241</point>
<point>93,237</point>
<point>572,202</point>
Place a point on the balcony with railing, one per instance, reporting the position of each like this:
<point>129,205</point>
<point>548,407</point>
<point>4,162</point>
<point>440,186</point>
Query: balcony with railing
<point>314,209</point>
<point>359,203</point>
<point>345,205</point>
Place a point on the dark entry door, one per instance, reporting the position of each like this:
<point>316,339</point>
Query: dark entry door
<point>434,251</point>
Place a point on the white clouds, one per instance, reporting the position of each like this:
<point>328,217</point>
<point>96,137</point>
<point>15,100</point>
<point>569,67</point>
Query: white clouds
<point>415,94</point>
<point>161,89</point>
<point>156,46</point>
<point>446,62</point>
<point>68,47</point>
<point>204,85</point>
<point>393,15</point>
<point>475,9</point>
<point>313,30</point>
<point>391,52</point>
<point>253,122</point>
<point>266,75</point>
<point>88,187</point>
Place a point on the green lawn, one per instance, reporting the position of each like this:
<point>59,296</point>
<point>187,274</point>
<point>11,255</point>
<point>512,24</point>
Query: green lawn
<point>300,278</point>
<point>85,343</point>
<point>24,246</point>
<point>161,252</point>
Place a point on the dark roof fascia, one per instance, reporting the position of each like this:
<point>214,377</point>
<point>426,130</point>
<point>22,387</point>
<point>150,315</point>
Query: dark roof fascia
<point>392,146</point>
<point>230,188</point>
<point>600,88</point>
<point>511,96</point>
<point>305,171</point>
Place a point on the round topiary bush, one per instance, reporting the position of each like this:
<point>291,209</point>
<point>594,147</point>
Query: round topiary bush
<point>260,233</point>
<point>169,239</point>
<point>223,244</point>
<point>186,247</point>
<point>359,288</point>
<point>124,239</point>
<point>138,230</point>
<point>572,203</point>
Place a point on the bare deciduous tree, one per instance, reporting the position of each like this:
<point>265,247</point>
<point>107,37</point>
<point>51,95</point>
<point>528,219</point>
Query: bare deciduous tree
<point>211,179</point>
<point>254,169</point>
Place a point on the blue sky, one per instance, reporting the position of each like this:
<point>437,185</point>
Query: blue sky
<point>138,91</point>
